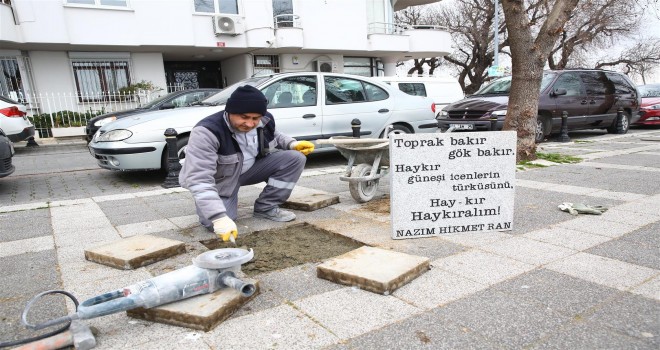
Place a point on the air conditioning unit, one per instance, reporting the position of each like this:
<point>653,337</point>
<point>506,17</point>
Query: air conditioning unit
<point>228,25</point>
<point>324,66</point>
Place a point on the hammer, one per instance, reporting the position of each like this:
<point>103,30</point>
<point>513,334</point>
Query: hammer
<point>79,335</point>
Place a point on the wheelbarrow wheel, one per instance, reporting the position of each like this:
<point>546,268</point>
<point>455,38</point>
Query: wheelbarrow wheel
<point>362,191</point>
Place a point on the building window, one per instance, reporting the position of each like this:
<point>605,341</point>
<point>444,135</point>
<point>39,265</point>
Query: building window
<point>283,13</point>
<point>266,64</point>
<point>11,82</point>
<point>100,80</point>
<point>364,66</point>
<point>116,3</point>
<point>216,6</point>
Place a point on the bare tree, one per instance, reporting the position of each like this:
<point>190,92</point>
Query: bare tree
<point>595,24</point>
<point>642,58</point>
<point>529,55</point>
<point>471,26</point>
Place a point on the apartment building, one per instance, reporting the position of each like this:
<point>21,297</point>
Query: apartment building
<point>93,47</point>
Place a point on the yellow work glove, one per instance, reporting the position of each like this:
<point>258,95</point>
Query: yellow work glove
<point>225,228</point>
<point>304,147</point>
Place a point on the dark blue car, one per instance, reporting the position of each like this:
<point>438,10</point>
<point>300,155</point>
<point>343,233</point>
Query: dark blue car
<point>172,100</point>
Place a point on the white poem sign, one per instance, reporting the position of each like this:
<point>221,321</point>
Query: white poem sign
<point>450,183</point>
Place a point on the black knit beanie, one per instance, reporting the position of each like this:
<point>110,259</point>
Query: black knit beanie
<point>247,99</point>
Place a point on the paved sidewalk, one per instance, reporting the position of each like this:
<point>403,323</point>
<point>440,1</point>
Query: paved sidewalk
<point>554,281</point>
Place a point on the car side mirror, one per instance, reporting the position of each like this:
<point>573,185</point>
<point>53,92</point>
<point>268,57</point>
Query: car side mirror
<point>168,105</point>
<point>559,92</point>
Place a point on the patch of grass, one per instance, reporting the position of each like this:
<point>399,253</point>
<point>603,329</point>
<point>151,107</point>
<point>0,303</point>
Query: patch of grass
<point>525,164</point>
<point>558,158</point>
<point>584,141</point>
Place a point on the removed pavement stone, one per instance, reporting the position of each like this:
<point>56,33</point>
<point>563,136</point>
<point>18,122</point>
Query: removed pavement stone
<point>134,252</point>
<point>307,199</point>
<point>373,269</point>
<point>203,312</point>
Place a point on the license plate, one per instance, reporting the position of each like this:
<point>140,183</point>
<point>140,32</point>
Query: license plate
<point>462,126</point>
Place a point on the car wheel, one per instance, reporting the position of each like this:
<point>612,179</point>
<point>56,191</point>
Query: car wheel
<point>625,125</point>
<point>396,129</point>
<point>362,191</point>
<point>181,145</point>
<point>539,134</point>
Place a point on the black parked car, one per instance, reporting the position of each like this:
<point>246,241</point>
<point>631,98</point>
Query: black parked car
<point>172,100</point>
<point>590,96</point>
<point>6,152</point>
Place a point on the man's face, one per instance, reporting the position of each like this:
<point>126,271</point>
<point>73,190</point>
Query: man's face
<point>244,122</point>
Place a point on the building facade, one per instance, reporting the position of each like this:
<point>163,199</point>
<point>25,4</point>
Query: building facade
<point>93,48</point>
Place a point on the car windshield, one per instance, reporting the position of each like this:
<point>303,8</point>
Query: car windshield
<point>502,86</point>
<point>153,103</point>
<point>649,90</point>
<point>221,97</point>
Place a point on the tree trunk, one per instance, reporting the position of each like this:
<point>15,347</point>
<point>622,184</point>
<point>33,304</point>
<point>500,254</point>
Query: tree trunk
<point>528,57</point>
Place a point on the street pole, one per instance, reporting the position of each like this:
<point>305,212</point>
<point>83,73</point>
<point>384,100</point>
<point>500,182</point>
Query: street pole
<point>495,36</point>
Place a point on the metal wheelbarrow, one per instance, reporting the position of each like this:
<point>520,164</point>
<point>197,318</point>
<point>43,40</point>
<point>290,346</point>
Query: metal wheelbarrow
<point>368,161</point>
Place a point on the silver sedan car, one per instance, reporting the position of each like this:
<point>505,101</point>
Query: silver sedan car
<point>306,106</point>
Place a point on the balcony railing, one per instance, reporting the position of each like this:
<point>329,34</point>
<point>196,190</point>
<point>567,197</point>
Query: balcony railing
<point>399,29</point>
<point>286,20</point>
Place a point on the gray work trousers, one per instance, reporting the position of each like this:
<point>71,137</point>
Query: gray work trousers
<point>280,170</point>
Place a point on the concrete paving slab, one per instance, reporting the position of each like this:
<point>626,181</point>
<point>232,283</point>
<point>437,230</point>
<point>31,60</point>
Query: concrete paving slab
<point>467,264</point>
<point>25,224</point>
<point>266,299</point>
<point>286,283</point>
<point>373,269</point>
<point>134,252</point>
<point>308,199</point>
<point>27,245</point>
<point>430,247</point>
<point>202,312</point>
<point>128,214</point>
<point>608,272</point>
<point>86,237</point>
<point>280,327</point>
<point>185,221</point>
<point>525,323</point>
<point>145,227</point>
<point>633,315</point>
<point>636,159</point>
<point>616,180</point>
<point>602,165</point>
<point>629,251</point>
<point>118,331</point>
<point>113,197</point>
<point>376,311</point>
<point>648,205</point>
<point>649,289</point>
<point>21,207</point>
<point>476,239</point>
<point>528,250</point>
<point>632,219</point>
<point>567,295</point>
<point>589,335</point>
<point>595,224</point>
<point>568,238</point>
<point>422,331</point>
<point>68,202</point>
<point>436,288</point>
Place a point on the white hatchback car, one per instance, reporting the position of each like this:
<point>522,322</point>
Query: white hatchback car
<point>306,106</point>
<point>14,121</point>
